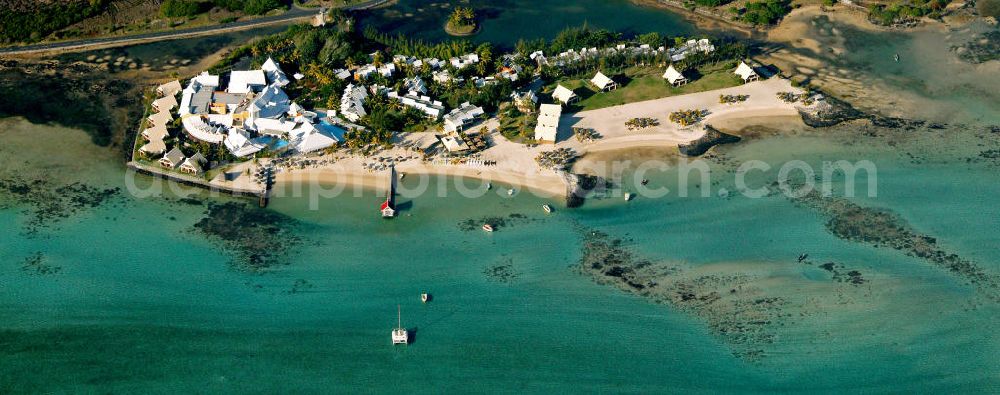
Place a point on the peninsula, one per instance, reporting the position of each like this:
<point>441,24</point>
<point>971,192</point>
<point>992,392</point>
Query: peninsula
<point>342,114</point>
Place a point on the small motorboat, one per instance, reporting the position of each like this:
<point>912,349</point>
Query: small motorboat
<point>645,181</point>
<point>547,208</point>
<point>803,257</point>
<point>510,192</point>
<point>628,196</point>
<point>896,57</point>
<point>488,227</point>
<point>489,186</point>
<point>425,298</point>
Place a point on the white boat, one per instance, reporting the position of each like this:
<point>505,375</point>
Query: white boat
<point>547,208</point>
<point>425,297</point>
<point>488,227</point>
<point>400,335</point>
<point>489,186</point>
<point>628,196</point>
<point>510,192</point>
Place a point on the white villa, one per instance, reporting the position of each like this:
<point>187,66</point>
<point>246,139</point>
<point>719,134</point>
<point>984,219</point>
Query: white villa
<point>565,95</point>
<point>548,123</point>
<point>342,74</point>
<point>464,60</point>
<point>444,77</point>
<point>746,72</point>
<point>461,117</point>
<point>172,159</point>
<point>165,104</point>
<point>526,101</point>
<point>432,108</point>
<point>415,84</point>
<point>352,102</point>
<point>193,165</point>
<point>160,118</point>
<point>674,77</point>
<point>691,46</point>
<point>603,83</point>
<point>157,131</point>
<point>169,89</point>
<point>481,82</point>
<point>154,147</point>
<point>365,71</point>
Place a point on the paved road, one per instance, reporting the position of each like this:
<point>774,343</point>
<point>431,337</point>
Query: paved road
<point>295,13</point>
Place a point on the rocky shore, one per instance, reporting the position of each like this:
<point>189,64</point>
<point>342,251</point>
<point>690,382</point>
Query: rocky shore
<point>711,138</point>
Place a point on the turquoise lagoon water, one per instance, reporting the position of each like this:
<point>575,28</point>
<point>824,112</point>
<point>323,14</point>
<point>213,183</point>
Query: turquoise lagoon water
<point>142,303</point>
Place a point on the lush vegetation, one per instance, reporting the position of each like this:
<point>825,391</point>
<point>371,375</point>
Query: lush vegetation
<point>189,8</point>
<point>411,47</point>
<point>895,13</point>
<point>35,24</point>
<point>462,17</point>
<point>712,3</point>
<point>181,8</point>
<point>764,12</point>
<point>258,7</point>
<point>318,52</point>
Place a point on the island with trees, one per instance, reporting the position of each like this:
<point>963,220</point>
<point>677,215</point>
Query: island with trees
<point>462,22</point>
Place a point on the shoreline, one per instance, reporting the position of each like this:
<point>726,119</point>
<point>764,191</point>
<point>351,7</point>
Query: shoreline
<point>515,163</point>
<point>702,20</point>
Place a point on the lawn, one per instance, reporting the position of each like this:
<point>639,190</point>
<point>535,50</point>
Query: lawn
<point>640,84</point>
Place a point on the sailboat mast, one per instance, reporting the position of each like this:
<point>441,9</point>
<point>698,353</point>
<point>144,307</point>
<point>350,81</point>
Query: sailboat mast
<point>399,316</point>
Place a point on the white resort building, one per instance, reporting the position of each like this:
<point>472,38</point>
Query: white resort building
<point>464,60</point>
<point>548,123</point>
<point>674,77</point>
<point>424,104</point>
<point>746,72</point>
<point>352,102</point>
<point>564,95</point>
<point>252,113</point>
<point>461,117</point>
<point>603,83</point>
<point>415,84</point>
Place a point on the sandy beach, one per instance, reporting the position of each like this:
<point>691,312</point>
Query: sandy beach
<point>515,163</point>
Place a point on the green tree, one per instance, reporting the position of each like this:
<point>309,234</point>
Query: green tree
<point>180,8</point>
<point>258,7</point>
